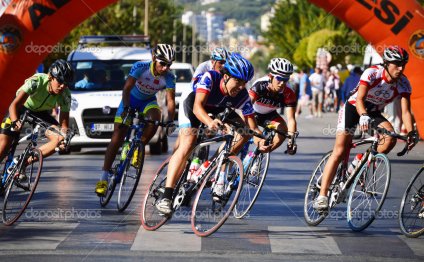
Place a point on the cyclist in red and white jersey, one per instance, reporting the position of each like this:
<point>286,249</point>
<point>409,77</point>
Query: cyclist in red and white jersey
<point>272,92</point>
<point>378,86</point>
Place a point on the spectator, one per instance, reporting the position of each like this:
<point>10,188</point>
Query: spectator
<point>317,86</point>
<point>351,82</point>
<point>305,93</point>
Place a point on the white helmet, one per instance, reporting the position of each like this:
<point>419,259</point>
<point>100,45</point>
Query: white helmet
<point>164,52</point>
<point>220,54</point>
<point>280,66</point>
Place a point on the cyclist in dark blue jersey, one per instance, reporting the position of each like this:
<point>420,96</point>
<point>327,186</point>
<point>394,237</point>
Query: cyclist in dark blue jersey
<point>211,94</point>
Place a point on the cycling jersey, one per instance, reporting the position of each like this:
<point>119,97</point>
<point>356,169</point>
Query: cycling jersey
<point>37,87</point>
<point>202,68</point>
<point>268,101</point>
<point>217,101</point>
<point>147,85</point>
<point>380,91</point>
<point>210,84</point>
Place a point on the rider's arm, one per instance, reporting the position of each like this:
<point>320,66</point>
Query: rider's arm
<point>199,109</point>
<point>251,122</point>
<point>16,104</point>
<point>360,99</point>
<point>291,120</point>
<point>64,121</point>
<point>407,118</point>
<point>170,102</point>
<point>129,84</point>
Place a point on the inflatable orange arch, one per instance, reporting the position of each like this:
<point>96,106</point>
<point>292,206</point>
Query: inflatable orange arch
<point>384,23</point>
<point>29,29</point>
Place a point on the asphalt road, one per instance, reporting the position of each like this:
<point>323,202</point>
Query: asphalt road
<point>65,222</point>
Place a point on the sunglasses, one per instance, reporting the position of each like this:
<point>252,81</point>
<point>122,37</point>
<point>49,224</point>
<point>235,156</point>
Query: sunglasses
<point>398,63</point>
<point>60,82</point>
<point>162,63</point>
<point>281,79</point>
<point>221,61</point>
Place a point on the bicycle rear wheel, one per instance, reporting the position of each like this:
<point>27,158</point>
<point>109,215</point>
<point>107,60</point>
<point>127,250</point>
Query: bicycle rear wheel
<point>207,215</point>
<point>252,184</point>
<point>21,186</point>
<point>130,178</point>
<point>312,216</point>
<point>368,192</point>
<point>411,211</point>
<point>151,218</point>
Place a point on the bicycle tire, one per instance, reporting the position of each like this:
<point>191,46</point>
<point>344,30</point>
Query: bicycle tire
<point>411,206</point>
<point>151,218</point>
<point>203,199</point>
<point>19,193</point>
<point>130,181</point>
<point>252,182</point>
<point>111,185</point>
<point>313,217</point>
<point>361,209</point>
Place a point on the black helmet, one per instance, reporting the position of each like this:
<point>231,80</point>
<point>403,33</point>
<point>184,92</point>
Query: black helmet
<point>62,71</point>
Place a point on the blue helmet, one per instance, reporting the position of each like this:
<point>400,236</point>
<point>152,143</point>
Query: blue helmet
<point>220,54</point>
<point>239,67</point>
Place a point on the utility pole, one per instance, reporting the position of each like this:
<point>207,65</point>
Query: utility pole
<point>134,20</point>
<point>146,17</point>
<point>183,44</point>
<point>193,43</point>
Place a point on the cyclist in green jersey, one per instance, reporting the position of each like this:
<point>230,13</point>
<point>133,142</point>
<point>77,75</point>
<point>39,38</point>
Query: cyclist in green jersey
<point>40,94</point>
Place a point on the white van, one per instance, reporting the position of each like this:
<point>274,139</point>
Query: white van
<point>183,73</point>
<point>100,74</point>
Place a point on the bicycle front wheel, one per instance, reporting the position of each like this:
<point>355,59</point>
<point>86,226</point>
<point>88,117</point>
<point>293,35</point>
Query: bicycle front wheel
<point>368,192</point>
<point>151,218</point>
<point>22,186</point>
<point>208,215</point>
<point>252,184</point>
<point>130,178</point>
<point>411,211</point>
<point>312,216</point>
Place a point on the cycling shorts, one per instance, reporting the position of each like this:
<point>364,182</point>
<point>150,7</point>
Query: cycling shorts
<point>141,106</point>
<point>271,116</point>
<point>187,119</point>
<point>349,118</point>
<point>5,127</point>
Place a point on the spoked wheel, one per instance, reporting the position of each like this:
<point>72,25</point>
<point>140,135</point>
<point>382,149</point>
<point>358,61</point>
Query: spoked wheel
<point>312,216</point>
<point>208,215</point>
<point>22,186</point>
<point>368,192</point>
<point>130,178</point>
<point>411,212</point>
<point>111,182</point>
<point>252,184</point>
<point>151,218</point>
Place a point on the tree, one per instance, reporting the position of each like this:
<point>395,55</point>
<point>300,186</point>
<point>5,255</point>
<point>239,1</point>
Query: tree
<point>293,24</point>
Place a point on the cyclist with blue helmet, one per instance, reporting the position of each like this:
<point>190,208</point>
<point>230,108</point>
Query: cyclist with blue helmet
<point>211,94</point>
<point>218,57</point>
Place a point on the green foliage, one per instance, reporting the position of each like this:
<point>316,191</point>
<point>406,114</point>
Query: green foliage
<point>299,28</point>
<point>118,19</point>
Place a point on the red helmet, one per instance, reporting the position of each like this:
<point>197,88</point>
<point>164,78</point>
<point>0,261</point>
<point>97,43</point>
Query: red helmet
<point>395,53</point>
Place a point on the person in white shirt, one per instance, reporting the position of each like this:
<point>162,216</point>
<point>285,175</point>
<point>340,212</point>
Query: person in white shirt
<point>317,86</point>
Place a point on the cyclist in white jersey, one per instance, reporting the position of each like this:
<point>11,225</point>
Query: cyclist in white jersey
<point>218,57</point>
<point>145,79</point>
<point>378,86</point>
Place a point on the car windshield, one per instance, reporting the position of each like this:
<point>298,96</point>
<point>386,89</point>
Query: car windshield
<point>183,75</point>
<point>98,75</point>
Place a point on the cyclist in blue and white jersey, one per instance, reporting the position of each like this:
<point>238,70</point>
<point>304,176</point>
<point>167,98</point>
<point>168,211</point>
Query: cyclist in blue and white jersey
<point>211,94</point>
<point>145,79</point>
